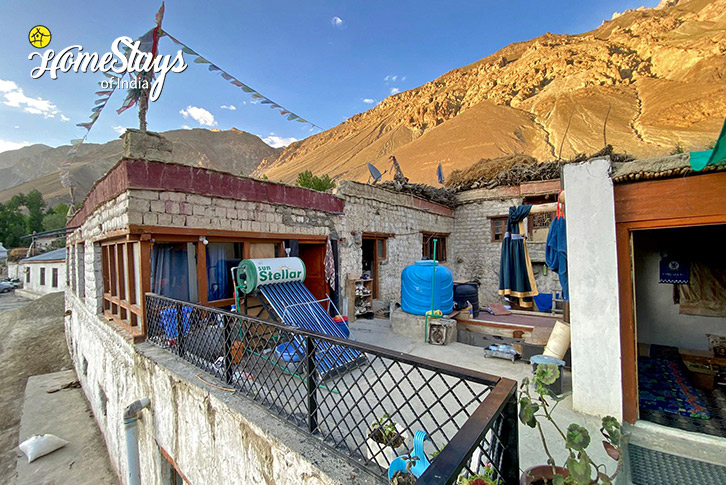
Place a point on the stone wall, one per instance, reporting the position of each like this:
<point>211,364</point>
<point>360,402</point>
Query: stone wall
<point>477,257</point>
<point>375,210</point>
<point>212,436</point>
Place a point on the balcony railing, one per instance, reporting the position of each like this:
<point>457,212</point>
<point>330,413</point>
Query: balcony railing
<point>336,390</point>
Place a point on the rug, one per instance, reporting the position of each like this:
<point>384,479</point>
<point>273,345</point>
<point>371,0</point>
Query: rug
<point>651,467</point>
<point>664,386</point>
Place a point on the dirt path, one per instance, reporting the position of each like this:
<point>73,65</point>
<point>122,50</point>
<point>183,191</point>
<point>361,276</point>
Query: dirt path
<point>32,342</point>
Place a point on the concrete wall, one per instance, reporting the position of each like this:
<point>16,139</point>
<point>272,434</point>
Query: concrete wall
<point>658,318</point>
<point>371,209</point>
<point>594,300</point>
<point>34,286</point>
<point>212,436</point>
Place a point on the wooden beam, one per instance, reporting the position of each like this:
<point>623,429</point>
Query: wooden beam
<point>194,232</point>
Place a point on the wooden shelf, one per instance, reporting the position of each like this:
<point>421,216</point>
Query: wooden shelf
<point>360,298</point>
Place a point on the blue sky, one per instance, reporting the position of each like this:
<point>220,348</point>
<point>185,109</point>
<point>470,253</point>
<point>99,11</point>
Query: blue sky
<point>324,60</point>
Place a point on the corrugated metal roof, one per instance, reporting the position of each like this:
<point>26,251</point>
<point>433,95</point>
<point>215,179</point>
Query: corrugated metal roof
<point>55,255</point>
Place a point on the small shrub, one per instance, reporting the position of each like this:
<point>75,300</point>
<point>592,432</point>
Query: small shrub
<point>308,180</point>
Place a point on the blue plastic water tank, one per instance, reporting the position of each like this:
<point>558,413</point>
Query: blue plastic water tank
<point>416,288</point>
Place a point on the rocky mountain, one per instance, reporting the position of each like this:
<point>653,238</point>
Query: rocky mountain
<point>36,166</point>
<point>656,75</point>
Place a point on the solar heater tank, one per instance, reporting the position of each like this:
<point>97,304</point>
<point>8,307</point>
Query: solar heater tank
<point>253,273</point>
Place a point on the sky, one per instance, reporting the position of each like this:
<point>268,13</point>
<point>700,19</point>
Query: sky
<point>324,60</point>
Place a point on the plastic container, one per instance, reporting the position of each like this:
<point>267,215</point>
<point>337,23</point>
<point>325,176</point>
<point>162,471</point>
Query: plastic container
<point>559,341</point>
<point>289,352</point>
<point>169,323</point>
<point>416,281</point>
<point>342,324</point>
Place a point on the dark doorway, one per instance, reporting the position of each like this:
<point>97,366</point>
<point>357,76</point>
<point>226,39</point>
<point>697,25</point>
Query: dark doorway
<point>374,251</point>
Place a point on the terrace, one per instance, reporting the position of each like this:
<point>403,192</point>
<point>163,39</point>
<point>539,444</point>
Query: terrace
<point>470,416</point>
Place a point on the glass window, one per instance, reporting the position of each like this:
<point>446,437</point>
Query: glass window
<point>170,270</point>
<point>499,228</point>
<point>428,246</point>
<point>42,276</point>
<point>221,258</point>
<point>54,281</point>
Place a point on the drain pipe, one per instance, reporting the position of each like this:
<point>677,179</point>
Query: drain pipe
<point>131,416</point>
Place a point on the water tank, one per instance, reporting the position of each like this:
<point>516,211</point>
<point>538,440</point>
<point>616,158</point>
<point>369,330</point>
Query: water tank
<point>416,288</point>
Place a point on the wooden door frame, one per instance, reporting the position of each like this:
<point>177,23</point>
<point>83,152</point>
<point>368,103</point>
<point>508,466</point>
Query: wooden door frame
<point>655,204</point>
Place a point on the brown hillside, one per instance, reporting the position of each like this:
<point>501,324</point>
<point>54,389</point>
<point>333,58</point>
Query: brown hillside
<point>659,72</point>
<point>29,168</point>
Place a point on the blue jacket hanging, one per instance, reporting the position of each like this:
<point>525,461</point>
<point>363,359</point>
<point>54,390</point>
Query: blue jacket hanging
<point>556,252</point>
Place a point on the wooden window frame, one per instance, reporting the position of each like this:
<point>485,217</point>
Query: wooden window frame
<point>123,300</point>
<point>54,277</point>
<point>42,276</point>
<point>493,221</point>
<point>427,237</point>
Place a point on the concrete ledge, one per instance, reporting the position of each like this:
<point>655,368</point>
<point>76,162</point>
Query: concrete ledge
<point>413,326</point>
<point>64,413</point>
<point>29,294</point>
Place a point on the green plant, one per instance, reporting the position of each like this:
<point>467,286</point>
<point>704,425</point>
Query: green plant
<point>677,149</point>
<point>576,438</point>
<point>406,478</point>
<point>308,180</point>
<point>486,478</point>
<point>383,430</point>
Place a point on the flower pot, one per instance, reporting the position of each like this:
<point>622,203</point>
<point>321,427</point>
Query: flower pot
<point>383,455</point>
<point>533,475</point>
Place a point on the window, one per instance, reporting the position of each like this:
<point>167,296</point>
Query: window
<point>27,274</point>
<point>499,228</point>
<point>539,226</point>
<point>221,258</point>
<point>54,278</point>
<point>81,269</point>
<point>428,246</point>
<point>42,276</point>
<point>121,281</point>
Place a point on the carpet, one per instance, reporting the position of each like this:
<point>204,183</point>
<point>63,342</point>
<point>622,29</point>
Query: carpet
<point>664,386</point>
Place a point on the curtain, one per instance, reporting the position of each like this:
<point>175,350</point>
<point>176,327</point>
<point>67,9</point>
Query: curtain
<point>218,279</point>
<point>170,271</point>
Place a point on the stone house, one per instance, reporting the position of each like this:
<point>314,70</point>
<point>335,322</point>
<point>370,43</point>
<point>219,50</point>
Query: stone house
<point>42,274</point>
<point>151,226</point>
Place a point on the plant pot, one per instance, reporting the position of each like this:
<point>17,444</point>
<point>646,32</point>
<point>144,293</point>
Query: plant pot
<point>540,472</point>
<point>383,455</point>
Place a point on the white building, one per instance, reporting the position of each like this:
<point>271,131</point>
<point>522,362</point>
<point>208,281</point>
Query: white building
<point>43,274</point>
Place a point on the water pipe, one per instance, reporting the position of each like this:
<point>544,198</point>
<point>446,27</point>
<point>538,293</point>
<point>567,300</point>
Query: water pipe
<point>131,416</point>
<point>433,294</point>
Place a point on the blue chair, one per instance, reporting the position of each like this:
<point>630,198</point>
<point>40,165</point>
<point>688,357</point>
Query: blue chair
<point>399,464</point>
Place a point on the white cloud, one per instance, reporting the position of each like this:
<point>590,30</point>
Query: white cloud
<point>15,98</point>
<point>395,90</point>
<point>65,118</point>
<point>403,78</point>
<point>200,115</point>
<point>278,141</point>
<point>7,86</point>
<point>186,127</point>
<point>230,107</point>
<point>393,78</point>
<point>11,145</point>
<point>119,129</point>
<point>369,100</point>
<point>337,22</point>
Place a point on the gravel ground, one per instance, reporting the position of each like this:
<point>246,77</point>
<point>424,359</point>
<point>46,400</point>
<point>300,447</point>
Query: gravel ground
<point>32,342</point>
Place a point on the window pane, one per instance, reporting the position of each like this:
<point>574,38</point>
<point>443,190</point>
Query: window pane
<point>381,249</point>
<point>221,258</point>
<point>170,271</point>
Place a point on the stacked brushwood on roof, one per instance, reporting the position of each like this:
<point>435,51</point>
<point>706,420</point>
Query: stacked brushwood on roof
<point>516,170</point>
<point>438,195</point>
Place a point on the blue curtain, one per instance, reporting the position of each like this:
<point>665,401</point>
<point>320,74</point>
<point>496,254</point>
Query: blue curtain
<point>218,281</point>
<point>170,271</point>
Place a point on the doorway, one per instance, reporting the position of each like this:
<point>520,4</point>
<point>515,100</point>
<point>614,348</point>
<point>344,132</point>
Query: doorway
<point>679,284</point>
<point>374,251</point>
<point>313,255</point>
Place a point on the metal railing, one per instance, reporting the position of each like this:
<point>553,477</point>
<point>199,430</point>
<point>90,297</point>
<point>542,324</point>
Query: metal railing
<point>336,389</point>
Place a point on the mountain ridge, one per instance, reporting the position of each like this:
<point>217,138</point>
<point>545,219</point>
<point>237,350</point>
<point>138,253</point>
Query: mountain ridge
<point>656,74</point>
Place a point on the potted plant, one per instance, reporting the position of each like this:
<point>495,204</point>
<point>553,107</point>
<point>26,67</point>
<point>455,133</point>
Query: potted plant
<point>386,441</point>
<point>402,476</point>
<point>579,468</point>
<point>486,478</point>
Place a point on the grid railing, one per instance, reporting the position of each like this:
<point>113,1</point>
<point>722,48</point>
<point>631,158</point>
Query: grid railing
<point>364,401</point>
